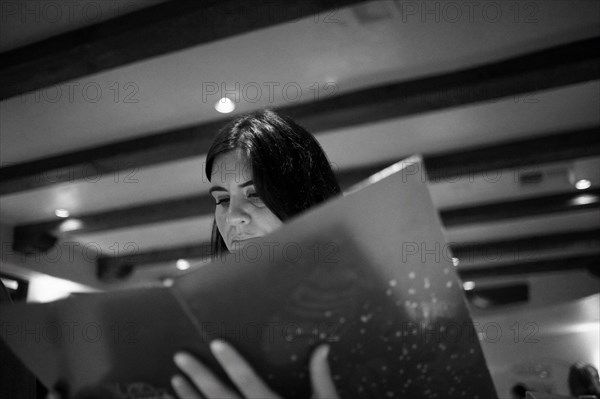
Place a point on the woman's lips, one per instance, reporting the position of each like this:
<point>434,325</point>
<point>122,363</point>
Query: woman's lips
<point>240,241</point>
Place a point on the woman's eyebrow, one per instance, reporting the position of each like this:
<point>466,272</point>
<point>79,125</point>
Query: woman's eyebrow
<point>215,188</point>
<point>219,188</point>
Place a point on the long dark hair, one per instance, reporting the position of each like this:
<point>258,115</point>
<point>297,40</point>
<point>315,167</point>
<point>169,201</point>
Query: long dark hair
<point>583,380</point>
<point>290,170</point>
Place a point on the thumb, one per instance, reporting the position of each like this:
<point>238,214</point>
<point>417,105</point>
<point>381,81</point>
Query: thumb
<point>320,375</point>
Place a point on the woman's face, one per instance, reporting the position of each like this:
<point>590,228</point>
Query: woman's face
<point>240,213</point>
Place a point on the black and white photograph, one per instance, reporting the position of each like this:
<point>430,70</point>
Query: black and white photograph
<point>326,199</point>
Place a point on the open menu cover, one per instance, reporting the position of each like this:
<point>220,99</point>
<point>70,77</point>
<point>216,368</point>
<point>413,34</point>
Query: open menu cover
<point>368,273</point>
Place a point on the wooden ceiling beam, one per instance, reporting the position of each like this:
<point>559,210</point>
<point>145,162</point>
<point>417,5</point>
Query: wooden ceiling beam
<point>150,32</point>
<point>522,248</point>
<point>551,68</point>
<point>114,267</point>
<point>34,237</point>
<point>557,147</point>
<point>568,263</point>
<point>522,208</point>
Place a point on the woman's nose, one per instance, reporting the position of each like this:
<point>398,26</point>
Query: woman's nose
<point>236,214</point>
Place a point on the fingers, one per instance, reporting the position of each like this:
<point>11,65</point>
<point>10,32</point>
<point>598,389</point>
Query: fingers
<point>201,376</point>
<point>184,389</point>
<point>240,372</point>
<point>320,375</point>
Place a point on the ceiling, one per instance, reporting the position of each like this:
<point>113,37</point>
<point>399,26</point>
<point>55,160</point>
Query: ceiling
<point>369,78</point>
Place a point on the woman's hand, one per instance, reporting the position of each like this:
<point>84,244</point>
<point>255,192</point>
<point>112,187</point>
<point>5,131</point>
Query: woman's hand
<point>243,376</point>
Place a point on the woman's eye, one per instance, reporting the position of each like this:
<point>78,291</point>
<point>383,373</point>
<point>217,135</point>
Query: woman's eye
<point>222,201</point>
<point>254,198</point>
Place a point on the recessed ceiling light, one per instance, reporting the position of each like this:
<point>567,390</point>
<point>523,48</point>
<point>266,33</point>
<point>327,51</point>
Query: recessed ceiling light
<point>584,199</point>
<point>10,283</point>
<point>468,285</point>
<point>182,264</point>
<point>62,213</point>
<point>225,105</point>
<point>582,184</point>
<point>455,261</point>
<point>70,225</point>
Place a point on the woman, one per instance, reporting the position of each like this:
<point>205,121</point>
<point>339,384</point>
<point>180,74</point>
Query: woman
<point>264,169</point>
